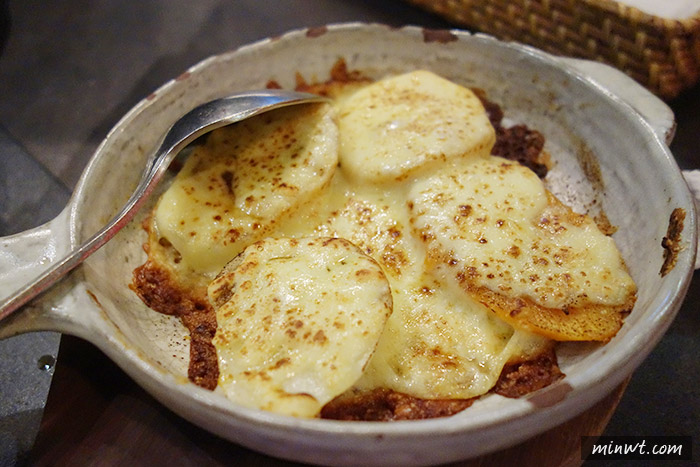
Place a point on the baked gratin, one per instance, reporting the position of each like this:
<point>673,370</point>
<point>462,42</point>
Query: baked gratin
<point>394,254</point>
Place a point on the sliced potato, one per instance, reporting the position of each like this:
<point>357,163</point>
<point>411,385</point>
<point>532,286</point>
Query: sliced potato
<point>298,319</point>
<point>492,226</point>
<point>442,345</point>
<point>245,180</point>
<point>396,126</point>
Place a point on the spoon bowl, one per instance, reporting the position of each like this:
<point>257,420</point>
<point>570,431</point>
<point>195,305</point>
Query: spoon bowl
<point>198,121</point>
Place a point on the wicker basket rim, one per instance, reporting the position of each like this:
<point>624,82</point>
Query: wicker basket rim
<point>632,13</point>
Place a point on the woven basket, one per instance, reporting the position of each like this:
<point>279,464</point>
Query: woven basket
<point>661,54</point>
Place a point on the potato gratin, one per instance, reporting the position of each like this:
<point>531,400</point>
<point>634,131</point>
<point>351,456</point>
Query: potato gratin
<point>371,259</point>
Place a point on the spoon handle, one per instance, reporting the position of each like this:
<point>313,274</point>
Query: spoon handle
<point>58,270</point>
<point>175,139</point>
<point>200,120</point>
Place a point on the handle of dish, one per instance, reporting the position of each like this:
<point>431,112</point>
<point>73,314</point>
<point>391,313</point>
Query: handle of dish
<point>652,109</point>
<point>692,178</point>
<point>23,257</point>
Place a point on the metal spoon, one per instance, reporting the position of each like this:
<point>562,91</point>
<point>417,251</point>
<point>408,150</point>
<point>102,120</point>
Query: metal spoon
<point>200,120</point>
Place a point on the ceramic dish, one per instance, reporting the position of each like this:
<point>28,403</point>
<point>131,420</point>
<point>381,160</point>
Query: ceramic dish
<point>586,124</point>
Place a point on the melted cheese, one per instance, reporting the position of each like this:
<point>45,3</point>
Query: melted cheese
<point>416,190</point>
<point>492,225</point>
<point>437,343</point>
<point>246,178</point>
<point>297,322</point>
<point>392,128</point>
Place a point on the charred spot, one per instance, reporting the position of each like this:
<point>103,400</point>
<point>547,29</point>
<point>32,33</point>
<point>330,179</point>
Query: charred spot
<point>465,210</point>
<point>671,243</point>
<point>224,294</point>
<point>183,76</point>
<point>519,305</point>
<point>233,234</point>
<point>320,337</point>
<point>227,177</point>
<point>442,36</point>
<point>472,272</point>
<point>280,363</point>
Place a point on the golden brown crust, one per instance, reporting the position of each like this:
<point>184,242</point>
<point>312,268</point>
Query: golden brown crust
<point>591,322</point>
<point>580,321</point>
<point>604,224</point>
<point>164,291</point>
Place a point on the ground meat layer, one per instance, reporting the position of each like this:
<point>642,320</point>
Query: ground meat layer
<point>382,405</point>
<point>162,293</point>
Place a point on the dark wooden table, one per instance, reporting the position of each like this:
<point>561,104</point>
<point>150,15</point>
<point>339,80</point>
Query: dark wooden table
<point>69,70</point>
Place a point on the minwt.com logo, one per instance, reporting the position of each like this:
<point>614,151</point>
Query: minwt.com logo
<point>636,448</point>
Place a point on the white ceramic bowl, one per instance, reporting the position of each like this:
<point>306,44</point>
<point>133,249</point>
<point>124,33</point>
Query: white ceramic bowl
<point>586,124</point>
